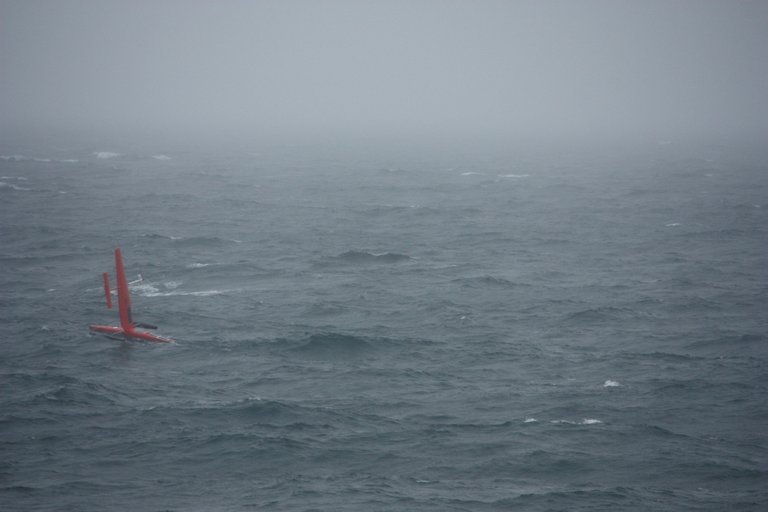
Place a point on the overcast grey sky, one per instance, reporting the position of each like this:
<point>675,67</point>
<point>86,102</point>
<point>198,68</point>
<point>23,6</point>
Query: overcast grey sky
<point>386,68</point>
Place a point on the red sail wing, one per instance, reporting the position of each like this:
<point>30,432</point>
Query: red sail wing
<point>123,293</point>
<point>107,291</point>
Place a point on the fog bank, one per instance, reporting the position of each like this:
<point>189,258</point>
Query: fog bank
<point>399,70</point>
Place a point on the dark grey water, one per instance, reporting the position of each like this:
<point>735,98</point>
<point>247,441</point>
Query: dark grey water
<point>532,332</point>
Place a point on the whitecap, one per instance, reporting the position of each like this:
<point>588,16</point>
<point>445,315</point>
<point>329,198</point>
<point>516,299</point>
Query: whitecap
<point>585,421</point>
<point>198,265</point>
<point>145,289</point>
<point>205,293</point>
<point>673,224</point>
<point>105,154</point>
<point>530,420</point>
<point>611,384</point>
<point>161,157</point>
<point>472,173</point>
<point>201,293</point>
<point>12,186</point>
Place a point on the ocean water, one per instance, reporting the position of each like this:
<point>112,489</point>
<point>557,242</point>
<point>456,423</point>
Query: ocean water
<point>543,330</point>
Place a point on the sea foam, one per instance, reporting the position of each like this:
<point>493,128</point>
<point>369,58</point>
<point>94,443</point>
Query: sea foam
<point>12,186</point>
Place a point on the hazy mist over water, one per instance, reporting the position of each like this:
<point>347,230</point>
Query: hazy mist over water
<point>402,70</point>
<point>415,255</point>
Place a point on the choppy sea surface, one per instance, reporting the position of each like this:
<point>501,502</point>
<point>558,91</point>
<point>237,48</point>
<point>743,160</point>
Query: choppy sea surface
<point>537,331</point>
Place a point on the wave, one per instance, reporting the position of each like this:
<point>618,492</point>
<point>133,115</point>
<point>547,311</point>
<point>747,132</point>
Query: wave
<point>585,421</point>
<point>376,210</point>
<point>24,158</point>
<point>698,387</point>
<point>486,281</point>
<point>718,471</point>
<point>106,154</point>
<point>583,498</point>
<point>235,269</point>
<point>69,393</point>
<point>11,186</point>
<point>253,407</point>
<point>733,342</point>
<point>647,429</point>
<point>514,175</point>
<point>719,235</point>
<point>367,257</point>
<point>156,236</point>
<point>253,410</point>
<point>170,289</point>
<point>143,289</point>
<point>394,171</point>
<point>198,293</point>
<point>14,158</point>
<point>599,314</point>
<point>334,346</point>
<point>206,293</point>
<point>661,356</point>
<point>195,241</point>
<point>323,309</point>
<point>205,241</point>
<point>693,303</point>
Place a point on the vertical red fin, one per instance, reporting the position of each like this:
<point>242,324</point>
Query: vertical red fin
<point>123,294</point>
<point>107,291</point>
